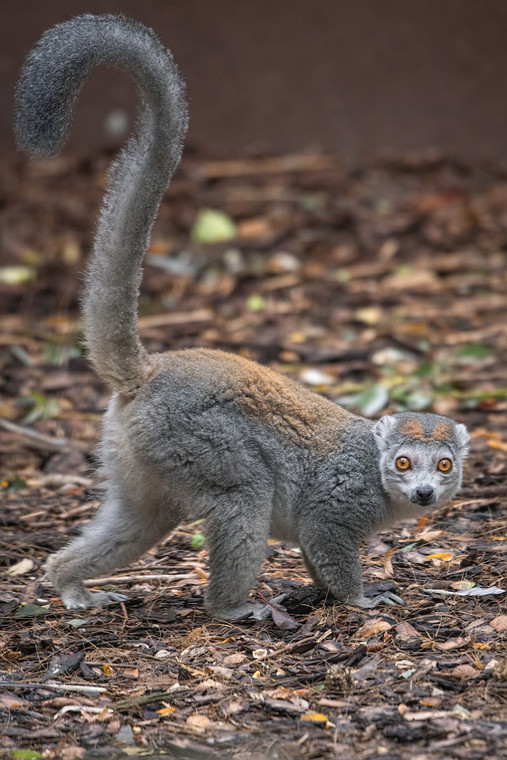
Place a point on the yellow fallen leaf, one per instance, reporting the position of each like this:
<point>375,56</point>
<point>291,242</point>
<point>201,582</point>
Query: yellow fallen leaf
<point>430,701</point>
<point>461,585</point>
<point>369,315</point>
<point>166,710</point>
<point>297,337</point>
<point>17,275</point>
<point>446,556</point>
<point>483,433</point>
<point>415,328</point>
<point>498,445</point>
<point>106,669</point>
<point>315,717</point>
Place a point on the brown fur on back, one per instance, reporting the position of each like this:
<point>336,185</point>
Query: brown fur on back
<point>296,412</point>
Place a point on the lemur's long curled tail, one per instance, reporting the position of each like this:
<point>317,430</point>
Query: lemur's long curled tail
<point>48,87</point>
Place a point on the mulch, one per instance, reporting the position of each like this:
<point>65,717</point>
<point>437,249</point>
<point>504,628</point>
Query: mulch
<point>383,288</point>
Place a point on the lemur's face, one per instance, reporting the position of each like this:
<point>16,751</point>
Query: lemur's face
<point>421,458</point>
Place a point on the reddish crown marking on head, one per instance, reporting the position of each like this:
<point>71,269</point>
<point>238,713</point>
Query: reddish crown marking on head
<point>414,429</point>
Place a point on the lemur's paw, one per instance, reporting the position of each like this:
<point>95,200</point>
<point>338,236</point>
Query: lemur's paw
<point>79,598</point>
<point>248,609</point>
<point>253,610</point>
<point>103,598</point>
<point>367,603</point>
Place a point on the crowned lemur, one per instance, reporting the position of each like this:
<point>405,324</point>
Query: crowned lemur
<point>200,433</point>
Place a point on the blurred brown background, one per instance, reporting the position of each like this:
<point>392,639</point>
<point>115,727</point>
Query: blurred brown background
<point>358,77</point>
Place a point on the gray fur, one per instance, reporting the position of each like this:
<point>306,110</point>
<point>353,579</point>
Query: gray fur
<point>201,433</point>
<point>48,87</point>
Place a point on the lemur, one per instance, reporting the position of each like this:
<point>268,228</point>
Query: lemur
<point>200,433</point>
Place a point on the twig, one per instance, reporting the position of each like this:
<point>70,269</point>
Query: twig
<point>83,709</point>
<point>59,479</point>
<point>156,696</point>
<point>175,318</point>
<point>78,510</point>
<point>42,441</point>
<point>58,686</point>
<point>288,647</point>
<point>277,165</point>
<point>97,664</point>
<point>137,578</point>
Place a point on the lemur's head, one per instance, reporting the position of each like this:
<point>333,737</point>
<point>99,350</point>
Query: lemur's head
<point>421,457</point>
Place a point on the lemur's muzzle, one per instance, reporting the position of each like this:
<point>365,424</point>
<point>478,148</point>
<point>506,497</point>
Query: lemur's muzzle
<point>423,495</point>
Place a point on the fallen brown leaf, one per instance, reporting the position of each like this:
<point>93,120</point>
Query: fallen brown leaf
<point>371,628</point>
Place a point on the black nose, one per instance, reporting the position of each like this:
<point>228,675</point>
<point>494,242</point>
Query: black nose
<point>424,493</point>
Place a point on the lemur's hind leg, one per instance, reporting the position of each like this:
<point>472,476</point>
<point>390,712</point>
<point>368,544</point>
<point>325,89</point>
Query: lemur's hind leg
<point>120,532</point>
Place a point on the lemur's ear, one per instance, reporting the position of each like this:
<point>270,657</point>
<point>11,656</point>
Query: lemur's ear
<point>382,431</point>
<point>462,438</point>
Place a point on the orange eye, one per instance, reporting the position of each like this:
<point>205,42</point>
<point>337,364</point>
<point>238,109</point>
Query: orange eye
<point>445,465</point>
<point>403,463</point>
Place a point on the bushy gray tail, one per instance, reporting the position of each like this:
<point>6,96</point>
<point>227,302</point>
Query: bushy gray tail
<point>48,87</point>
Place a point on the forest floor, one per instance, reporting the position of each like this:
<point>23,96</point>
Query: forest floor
<point>383,288</point>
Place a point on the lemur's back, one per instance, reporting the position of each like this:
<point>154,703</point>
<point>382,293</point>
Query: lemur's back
<point>195,380</point>
<point>216,412</point>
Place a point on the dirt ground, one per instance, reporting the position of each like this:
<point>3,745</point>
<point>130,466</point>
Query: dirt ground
<point>383,288</point>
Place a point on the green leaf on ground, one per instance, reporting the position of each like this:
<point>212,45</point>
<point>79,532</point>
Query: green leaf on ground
<point>476,351</point>
<point>78,622</point>
<point>256,302</point>
<point>30,609</point>
<point>13,485</point>
<point>43,407</point>
<point>197,541</point>
<point>212,226</point>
